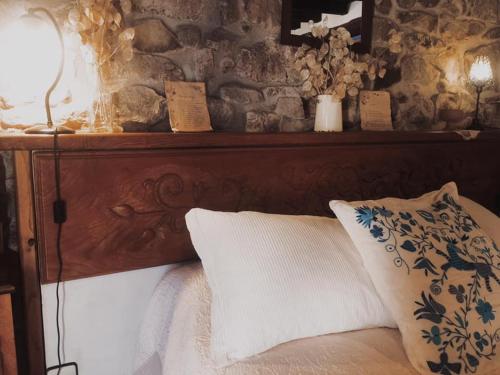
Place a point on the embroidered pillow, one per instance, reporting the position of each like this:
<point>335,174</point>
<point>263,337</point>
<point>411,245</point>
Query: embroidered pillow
<point>487,220</point>
<point>437,272</point>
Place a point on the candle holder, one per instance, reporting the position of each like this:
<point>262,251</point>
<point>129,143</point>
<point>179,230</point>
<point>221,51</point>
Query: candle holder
<point>480,76</point>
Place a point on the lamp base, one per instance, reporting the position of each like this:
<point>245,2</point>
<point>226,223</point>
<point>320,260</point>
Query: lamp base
<point>44,129</point>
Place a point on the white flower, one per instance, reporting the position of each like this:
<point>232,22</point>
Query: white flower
<point>305,74</point>
<point>127,34</point>
<point>319,31</point>
<point>353,91</point>
<point>334,69</point>
<point>307,86</point>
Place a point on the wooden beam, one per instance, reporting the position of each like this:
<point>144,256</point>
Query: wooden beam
<point>29,264</point>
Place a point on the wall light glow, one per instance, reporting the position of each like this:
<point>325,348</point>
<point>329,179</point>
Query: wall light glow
<point>480,71</point>
<point>30,59</point>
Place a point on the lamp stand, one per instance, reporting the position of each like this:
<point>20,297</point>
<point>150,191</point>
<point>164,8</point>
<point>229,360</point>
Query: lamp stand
<point>50,128</point>
<point>476,124</point>
<point>44,129</point>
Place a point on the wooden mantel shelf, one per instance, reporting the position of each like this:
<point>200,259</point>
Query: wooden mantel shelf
<point>127,141</point>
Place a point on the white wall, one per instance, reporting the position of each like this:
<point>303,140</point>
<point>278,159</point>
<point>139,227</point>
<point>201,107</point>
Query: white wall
<point>101,320</point>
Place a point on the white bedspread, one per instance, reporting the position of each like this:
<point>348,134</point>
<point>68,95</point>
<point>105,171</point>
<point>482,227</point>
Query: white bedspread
<point>175,340</point>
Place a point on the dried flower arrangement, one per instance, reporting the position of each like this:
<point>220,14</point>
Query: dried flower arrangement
<point>334,69</point>
<point>101,27</point>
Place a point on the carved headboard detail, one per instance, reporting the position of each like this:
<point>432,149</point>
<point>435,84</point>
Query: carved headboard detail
<point>126,207</point>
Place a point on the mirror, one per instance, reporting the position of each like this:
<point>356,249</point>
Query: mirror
<point>298,16</point>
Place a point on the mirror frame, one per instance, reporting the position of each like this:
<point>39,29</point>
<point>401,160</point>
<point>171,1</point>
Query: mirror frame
<point>297,40</point>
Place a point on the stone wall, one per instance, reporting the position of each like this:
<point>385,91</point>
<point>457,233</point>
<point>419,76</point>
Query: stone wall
<point>441,37</point>
<point>233,46</point>
<point>229,44</point>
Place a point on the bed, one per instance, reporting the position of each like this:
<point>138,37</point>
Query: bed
<point>175,339</point>
<point>178,330</point>
<point>132,192</point>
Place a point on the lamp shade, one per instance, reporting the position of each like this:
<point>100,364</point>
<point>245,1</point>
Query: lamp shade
<point>45,71</point>
<point>480,71</point>
<point>30,59</point>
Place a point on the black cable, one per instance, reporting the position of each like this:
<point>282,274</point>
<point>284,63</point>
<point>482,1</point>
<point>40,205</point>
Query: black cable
<point>58,303</point>
<point>57,173</point>
<point>59,212</point>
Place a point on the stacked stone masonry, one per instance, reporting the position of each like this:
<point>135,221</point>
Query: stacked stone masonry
<point>233,46</point>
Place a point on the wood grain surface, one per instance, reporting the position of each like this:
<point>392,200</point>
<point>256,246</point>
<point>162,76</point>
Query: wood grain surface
<point>126,208</point>
<point>129,141</point>
<point>8,361</point>
<point>29,264</point>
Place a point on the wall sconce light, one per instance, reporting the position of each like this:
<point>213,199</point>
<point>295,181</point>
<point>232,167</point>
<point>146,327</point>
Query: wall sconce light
<point>480,76</point>
<point>33,41</point>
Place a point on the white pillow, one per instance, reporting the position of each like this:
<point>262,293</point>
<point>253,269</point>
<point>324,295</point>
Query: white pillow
<point>486,219</point>
<point>276,278</point>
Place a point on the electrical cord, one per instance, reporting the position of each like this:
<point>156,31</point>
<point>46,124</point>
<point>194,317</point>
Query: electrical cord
<point>58,302</point>
<point>60,216</point>
<point>57,173</point>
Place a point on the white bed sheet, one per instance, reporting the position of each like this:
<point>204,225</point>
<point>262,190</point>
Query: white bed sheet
<point>175,340</point>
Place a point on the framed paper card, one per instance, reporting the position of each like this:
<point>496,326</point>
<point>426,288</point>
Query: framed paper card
<point>375,108</point>
<point>187,106</point>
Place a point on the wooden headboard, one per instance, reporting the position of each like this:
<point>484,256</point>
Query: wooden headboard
<point>126,205</point>
<point>127,194</point>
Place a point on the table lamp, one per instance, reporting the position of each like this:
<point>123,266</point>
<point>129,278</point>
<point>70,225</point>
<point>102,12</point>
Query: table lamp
<point>480,76</point>
<point>30,40</point>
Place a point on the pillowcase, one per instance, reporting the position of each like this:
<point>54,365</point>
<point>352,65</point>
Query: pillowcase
<point>276,278</point>
<point>486,219</point>
<point>437,272</point>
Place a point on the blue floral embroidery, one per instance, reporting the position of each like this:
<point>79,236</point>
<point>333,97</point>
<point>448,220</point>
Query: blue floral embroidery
<point>384,212</point>
<point>481,342</point>
<point>458,291</point>
<point>436,335</point>
<point>485,310</point>
<point>430,309</point>
<point>444,367</point>
<point>376,231</point>
<point>365,216</point>
<point>405,215</point>
<point>442,240</point>
<point>433,336</point>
